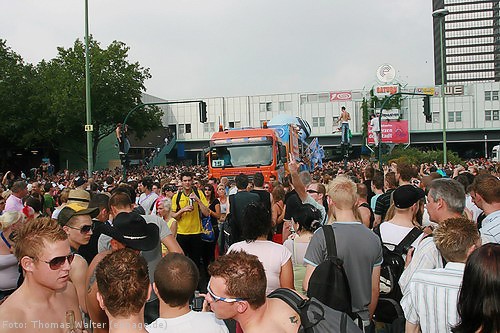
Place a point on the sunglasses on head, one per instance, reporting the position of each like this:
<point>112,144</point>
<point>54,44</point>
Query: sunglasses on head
<point>84,229</point>
<point>58,262</point>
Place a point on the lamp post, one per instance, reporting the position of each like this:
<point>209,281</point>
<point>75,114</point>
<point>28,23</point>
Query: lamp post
<point>440,14</point>
<point>88,127</point>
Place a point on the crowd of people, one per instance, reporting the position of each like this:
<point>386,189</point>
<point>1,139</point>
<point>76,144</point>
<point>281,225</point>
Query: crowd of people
<point>147,253</point>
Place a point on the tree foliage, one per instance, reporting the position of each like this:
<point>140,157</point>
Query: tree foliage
<point>51,98</point>
<point>416,156</point>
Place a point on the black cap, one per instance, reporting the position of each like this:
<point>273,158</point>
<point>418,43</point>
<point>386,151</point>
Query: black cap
<point>406,196</point>
<point>132,230</point>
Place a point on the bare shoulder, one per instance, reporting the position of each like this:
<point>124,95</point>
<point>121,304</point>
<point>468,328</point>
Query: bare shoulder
<point>93,264</point>
<point>12,310</point>
<point>286,317</point>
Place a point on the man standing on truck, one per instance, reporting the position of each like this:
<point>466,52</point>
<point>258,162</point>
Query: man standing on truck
<point>344,125</point>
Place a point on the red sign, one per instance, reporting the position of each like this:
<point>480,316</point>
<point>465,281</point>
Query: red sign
<point>340,96</point>
<point>392,132</point>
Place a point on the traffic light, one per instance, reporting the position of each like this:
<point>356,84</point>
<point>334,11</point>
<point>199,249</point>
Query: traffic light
<point>203,112</point>
<point>427,109</point>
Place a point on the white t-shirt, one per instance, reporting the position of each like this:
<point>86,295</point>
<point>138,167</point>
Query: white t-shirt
<point>272,256</point>
<point>394,234</point>
<point>375,124</point>
<point>192,321</point>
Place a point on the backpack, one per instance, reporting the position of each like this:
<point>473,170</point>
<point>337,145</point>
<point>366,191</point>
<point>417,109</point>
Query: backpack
<point>179,194</point>
<point>388,308</point>
<point>315,317</point>
<point>328,282</point>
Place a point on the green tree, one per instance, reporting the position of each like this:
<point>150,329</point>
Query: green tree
<point>116,87</point>
<point>16,79</point>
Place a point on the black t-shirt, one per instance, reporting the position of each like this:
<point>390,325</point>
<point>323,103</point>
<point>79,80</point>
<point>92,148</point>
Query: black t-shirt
<point>89,251</point>
<point>265,198</point>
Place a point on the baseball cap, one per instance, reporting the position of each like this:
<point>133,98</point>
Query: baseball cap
<point>132,230</point>
<point>406,196</point>
<point>74,209</point>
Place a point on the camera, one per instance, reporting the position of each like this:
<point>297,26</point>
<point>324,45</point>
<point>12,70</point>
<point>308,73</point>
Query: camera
<point>197,303</point>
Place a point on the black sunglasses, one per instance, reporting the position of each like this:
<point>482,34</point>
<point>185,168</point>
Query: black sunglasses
<point>83,230</point>
<point>58,262</point>
<point>313,191</point>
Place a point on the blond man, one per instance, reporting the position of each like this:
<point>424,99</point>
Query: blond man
<point>362,264</point>
<point>46,299</point>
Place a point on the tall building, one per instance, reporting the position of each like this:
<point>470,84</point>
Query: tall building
<point>471,41</point>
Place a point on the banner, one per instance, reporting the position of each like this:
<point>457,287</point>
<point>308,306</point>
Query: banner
<point>392,132</point>
<point>340,96</point>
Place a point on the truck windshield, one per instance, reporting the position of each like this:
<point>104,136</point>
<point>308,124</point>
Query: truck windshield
<point>241,156</point>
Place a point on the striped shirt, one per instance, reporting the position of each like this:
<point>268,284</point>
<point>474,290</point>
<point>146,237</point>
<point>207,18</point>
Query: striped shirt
<point>431,298</point>
<point>490,231</point>
<point>426,256</point>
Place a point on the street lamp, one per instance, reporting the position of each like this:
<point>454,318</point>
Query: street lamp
<point>88,127</point>
<point>440,14</point>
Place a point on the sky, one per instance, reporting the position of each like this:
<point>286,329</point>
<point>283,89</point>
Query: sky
<point>216,48</point>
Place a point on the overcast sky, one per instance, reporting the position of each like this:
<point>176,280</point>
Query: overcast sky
<point>236,48</point>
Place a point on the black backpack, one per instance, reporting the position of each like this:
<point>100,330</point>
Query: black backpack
<point>388,308</point>
<point>328,282</point>
<point>315,317</point>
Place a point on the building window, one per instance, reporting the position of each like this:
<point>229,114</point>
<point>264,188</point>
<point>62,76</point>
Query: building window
<point>455,116</point>
<point>318,121</point>
<point>435,117</point>
<point>234,124</point>
<point>209,127</point>
<point>265,106</point>
<point>495,115</point>
<point>487,115</point>
<point>285,106</point>
<point>487,95</point>
<point>494,95</point>
<point>181,129</point>
<point>324,98</point>
<point>188,128</point>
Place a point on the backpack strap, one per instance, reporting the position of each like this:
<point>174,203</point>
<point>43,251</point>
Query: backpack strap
<point>409,239</point>
<point>178,200</point>
<point>297,303</point>
<point>343,323</point>
<point>331,245</point>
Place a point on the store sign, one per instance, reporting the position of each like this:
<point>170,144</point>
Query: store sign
<point>383,91</point>
<point>340,96</point>
<point>392,114</point>
<point>428,91</point>
<point>392,132</point>
<point>453,90</point>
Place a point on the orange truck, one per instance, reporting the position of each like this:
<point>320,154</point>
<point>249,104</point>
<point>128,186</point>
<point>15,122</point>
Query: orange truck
<point>252,150</point>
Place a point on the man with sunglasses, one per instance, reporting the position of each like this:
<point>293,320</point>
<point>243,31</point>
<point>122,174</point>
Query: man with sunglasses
<point>313,194</point>
<point>46,299</point>
<point>76,221</point>
<point>237,290</point>
<point>175,280</point>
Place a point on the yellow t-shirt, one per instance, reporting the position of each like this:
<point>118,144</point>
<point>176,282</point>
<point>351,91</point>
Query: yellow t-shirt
<point>189,223</point>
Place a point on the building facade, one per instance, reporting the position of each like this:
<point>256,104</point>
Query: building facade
<point>473,116</point>
<point>471,41</point>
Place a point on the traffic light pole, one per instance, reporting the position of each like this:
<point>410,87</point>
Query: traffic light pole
<point>380,121</point>
<point>202,106</point>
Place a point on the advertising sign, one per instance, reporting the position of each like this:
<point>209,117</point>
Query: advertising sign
<point>392,132</point>
<point>340,96</point>
<point>382,91</point>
